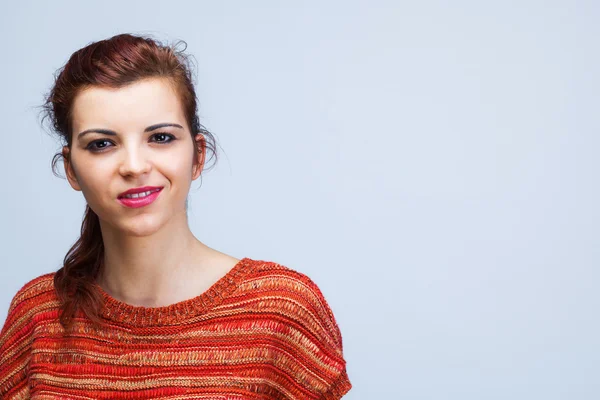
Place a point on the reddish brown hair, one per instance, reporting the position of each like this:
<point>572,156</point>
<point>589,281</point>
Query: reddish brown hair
<point>114,63</point>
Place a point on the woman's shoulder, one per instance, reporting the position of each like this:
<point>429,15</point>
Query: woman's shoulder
<point>297,294</point>
<point>271,275</point>
<point>299,308</point>
<point>33,293</point>
<point>35,297</point>
<point>277,272</point>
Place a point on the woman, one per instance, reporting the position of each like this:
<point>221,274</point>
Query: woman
<point>141,309</point>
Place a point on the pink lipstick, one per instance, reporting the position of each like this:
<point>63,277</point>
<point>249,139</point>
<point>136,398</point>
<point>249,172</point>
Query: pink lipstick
<point>146,195</point>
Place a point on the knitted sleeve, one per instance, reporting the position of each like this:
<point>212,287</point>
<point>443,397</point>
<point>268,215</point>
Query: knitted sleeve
<point>330,343</point>
<point>15,348</point>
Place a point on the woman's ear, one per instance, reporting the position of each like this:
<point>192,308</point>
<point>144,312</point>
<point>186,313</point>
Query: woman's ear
<point>71,176</point>
<point>200,153</point>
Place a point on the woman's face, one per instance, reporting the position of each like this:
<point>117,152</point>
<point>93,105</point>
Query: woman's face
<point>103,166</point>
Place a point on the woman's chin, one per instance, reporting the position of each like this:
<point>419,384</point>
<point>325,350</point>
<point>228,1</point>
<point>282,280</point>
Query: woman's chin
<point>144,226</point>
<point>138,226</point>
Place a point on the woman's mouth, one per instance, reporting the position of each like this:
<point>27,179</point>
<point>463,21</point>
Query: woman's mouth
<point>139,199</point>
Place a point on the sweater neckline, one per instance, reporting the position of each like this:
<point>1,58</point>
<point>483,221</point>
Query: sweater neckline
<point>119,311</point>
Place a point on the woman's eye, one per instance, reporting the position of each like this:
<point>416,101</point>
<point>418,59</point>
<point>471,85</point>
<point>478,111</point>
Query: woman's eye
<point>164,135</point>
<point>92,146</point>
<point>97,145</point>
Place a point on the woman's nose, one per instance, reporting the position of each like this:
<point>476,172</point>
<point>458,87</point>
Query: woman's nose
<point>134,162</point>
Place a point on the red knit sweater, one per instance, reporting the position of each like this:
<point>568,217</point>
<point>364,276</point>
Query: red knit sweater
<point>263,331</point>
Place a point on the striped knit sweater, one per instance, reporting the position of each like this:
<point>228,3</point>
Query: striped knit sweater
<point>263,331</point>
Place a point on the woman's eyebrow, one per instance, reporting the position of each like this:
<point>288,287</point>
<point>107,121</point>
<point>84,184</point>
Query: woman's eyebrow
<point>113,133</point>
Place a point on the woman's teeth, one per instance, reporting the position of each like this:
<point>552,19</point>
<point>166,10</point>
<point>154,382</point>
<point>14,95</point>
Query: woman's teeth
<point>136,195</point>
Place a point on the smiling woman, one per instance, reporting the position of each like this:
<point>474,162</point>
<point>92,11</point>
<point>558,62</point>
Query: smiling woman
<point>120,150</point>
<point>141,308</point>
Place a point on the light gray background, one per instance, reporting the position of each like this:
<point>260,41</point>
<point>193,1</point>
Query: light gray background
<point>432,166</point>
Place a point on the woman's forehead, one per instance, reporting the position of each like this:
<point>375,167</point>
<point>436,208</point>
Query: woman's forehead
<point>138,103</point>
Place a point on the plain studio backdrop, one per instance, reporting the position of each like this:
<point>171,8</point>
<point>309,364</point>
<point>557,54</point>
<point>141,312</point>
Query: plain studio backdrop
<point>432,166</point>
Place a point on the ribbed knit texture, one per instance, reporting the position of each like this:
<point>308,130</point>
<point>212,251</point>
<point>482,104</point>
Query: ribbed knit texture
<point>262,331</point>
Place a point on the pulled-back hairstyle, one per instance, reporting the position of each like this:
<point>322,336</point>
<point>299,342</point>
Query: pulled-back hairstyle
<point>111,63</point>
